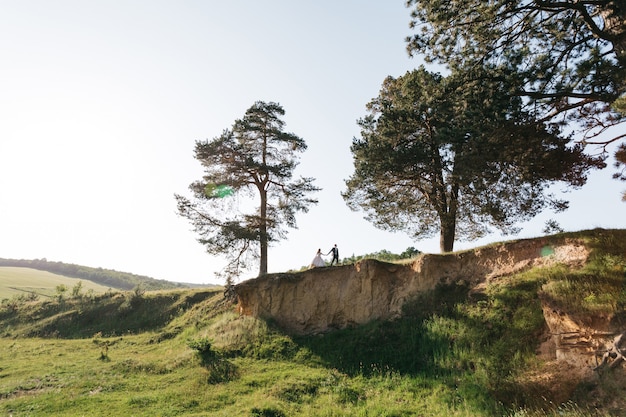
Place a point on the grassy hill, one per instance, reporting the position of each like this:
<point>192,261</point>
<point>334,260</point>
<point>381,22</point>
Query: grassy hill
<point>186,352</point>
<point>108,278</point>
<point>28,282</point>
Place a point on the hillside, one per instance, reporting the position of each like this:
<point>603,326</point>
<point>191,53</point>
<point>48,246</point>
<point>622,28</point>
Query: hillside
<point>485,345</point>
<point>108,278</point>
<point>27,282</point>
<point>575,284</point>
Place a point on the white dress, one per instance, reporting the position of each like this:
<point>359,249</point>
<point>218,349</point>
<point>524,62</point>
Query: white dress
<point>317,261</point>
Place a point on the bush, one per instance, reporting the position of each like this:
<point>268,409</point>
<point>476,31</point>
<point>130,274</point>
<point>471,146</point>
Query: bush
<point>219,368</point>
<point>267,412</point>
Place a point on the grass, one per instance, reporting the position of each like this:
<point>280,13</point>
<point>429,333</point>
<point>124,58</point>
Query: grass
<point>455,352</point>
<point>597,288</point>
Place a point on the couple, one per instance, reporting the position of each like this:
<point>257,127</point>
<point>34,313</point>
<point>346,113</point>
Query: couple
<point>318,261</point>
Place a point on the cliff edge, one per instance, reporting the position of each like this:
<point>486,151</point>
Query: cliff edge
<point>327,298</point>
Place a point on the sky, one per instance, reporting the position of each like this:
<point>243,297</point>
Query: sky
<point>102,102</point>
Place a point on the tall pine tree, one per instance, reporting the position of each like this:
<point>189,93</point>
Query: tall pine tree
<point>248,194</point>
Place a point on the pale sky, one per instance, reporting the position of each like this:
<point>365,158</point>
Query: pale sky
<point>102,101</point>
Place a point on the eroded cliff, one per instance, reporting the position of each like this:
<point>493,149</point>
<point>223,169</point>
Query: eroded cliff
<point>322,299</point>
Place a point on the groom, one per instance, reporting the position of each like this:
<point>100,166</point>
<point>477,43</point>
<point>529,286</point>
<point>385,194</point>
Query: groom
<point>335,253</point>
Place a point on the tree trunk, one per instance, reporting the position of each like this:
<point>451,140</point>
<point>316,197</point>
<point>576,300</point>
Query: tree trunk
<point>447,218</point>
<point>447,233</point>
<point>263,234</point>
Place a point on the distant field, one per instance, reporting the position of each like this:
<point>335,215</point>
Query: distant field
<point>16,281</point>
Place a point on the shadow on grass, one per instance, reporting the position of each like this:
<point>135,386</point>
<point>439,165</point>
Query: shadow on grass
<point>474,345</point>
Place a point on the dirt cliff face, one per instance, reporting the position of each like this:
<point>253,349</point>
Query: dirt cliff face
<point>571,347</point>
<point>322,299</point>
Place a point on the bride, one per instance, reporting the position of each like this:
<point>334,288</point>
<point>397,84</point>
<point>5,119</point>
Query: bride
<point>318,261</point>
